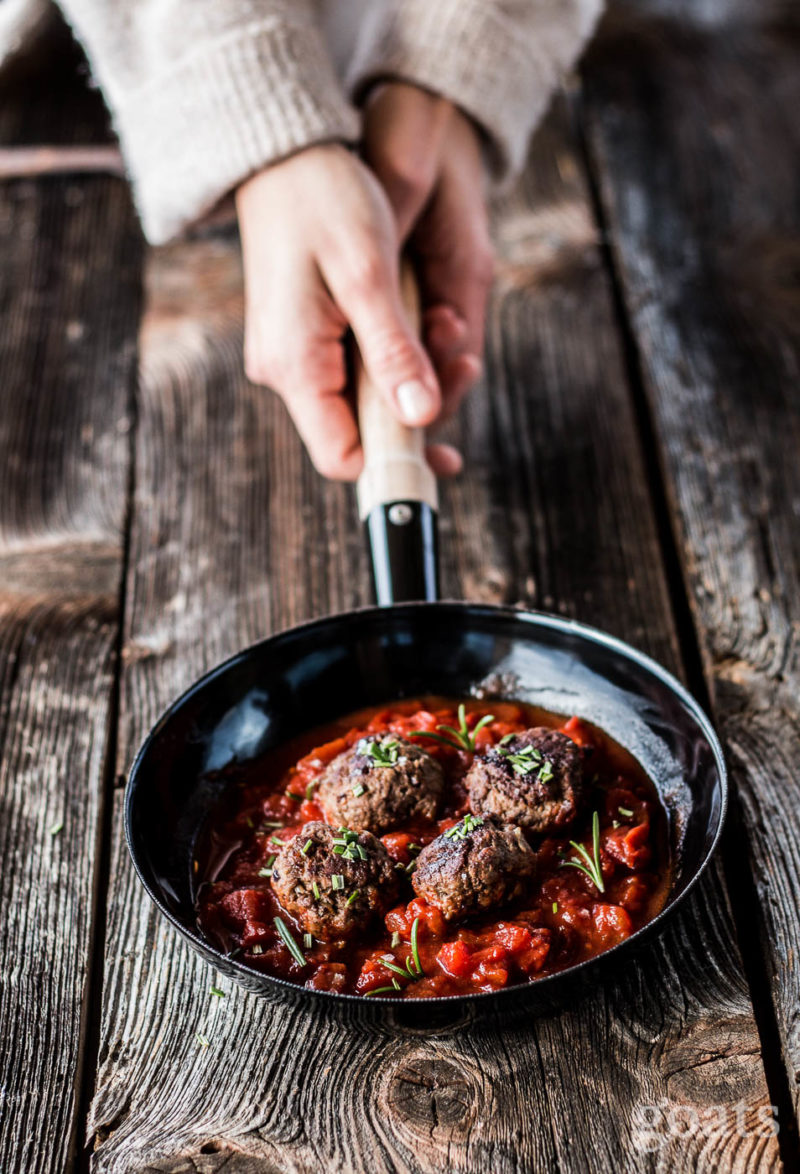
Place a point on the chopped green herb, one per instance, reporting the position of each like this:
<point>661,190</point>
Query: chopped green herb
<point>555,906</point>
<point>353,897</point>
<point>411,867</point>
<point>265,872</point>
<point>291,795</point>
<point>310,789</point>
<point>362,851</point>
<point>271,823</point>
<point>315,890</point>
<point>590,865</point>
<point>615,823</point>
<point>625,811</point>
<point>396,985</point>
<point>201,1039</point>
<point>460,831</point>
<point>337,882</point>
<point>358,790</point>
<point>249,822</point>
<point>56,828</point>
<point>305,849</point>
<point>232,953</point>
<point>395,939</point>
<point>462,738</point>
<point>546,772</point>
<point>217,992</point>
<point>383,753</point>
<point>524,760</point>
<point>380,990</point>
<point>276,840</point>
<point>308,940</point>
<point>506,739</point>
<point>289,942</point>
<point>256,949</point>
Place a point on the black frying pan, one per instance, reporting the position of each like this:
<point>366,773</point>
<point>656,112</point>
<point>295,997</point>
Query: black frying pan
<point>322,670</point>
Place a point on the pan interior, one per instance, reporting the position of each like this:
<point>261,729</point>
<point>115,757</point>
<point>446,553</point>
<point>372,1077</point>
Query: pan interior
<point>310,675</point>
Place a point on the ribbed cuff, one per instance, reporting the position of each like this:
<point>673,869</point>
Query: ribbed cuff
<point>229,108</point>
<point>499,69</point>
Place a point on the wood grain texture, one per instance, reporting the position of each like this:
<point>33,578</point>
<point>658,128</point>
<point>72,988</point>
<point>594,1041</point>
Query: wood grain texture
<point>235,536</point>
<point>697,150</point>
<point>68,308</point>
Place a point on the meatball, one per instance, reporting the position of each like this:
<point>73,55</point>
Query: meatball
<point>474,865</point>
<point>533,779</point>
<point>379,783</point>
<point>332,882</point>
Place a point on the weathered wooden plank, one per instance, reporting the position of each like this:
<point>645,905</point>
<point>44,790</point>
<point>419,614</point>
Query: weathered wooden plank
<point>234,536</point>
<point>696,141</point>
<point>68,306</point>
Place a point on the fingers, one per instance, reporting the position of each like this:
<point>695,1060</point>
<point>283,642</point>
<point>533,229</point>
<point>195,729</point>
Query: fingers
<point>368,293</point>
<point>404,133</point>
<point>328,429</point>
<point>445,460</point>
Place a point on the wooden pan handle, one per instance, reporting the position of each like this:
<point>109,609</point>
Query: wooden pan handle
<point>395,468</point>
<point>397,497</point>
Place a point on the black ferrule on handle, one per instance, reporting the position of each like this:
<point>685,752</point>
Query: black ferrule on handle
<point>403,546</point>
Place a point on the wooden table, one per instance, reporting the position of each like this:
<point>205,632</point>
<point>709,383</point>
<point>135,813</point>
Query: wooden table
<point>632,460</point>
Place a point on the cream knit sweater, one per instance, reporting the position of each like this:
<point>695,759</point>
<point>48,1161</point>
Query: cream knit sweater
<point>205,92</point>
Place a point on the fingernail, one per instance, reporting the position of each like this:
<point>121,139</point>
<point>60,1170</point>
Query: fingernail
<point>415,401</point>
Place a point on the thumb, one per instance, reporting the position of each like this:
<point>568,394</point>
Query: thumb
<point>393,355</point>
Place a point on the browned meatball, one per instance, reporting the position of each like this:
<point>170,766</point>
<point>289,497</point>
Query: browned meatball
<point>379,783</point>
<point>533,779</point>
<point>473,866</point>
<point>333,882</point>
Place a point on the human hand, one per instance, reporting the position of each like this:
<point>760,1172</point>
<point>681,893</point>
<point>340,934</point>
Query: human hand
<point>427,155</point>
<point>321,251</point>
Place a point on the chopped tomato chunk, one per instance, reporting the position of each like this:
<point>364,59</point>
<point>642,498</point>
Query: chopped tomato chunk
<point>455,958</point>
<point>397,844</point>
<point>578,731</point>
<point>514,938</point>
<point>611,925</point>
<point>629,845</point>
<point>330,976</point>
<point>430,918</point>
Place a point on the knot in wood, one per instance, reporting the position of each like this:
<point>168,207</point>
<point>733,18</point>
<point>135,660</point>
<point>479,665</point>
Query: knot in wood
<point>432,1095</point>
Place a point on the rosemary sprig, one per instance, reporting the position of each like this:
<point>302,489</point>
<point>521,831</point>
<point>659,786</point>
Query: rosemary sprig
<point>393,966</point>
<point>417,972</point>
<point>590,865</point>
<point>463,738</point>
<point>413,964</point>
<point>289,942</point>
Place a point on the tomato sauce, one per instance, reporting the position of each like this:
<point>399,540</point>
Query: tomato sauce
<point>561,919</point>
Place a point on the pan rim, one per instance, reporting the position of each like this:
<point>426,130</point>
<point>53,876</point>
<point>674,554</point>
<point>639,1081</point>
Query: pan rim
<point>536,619</point>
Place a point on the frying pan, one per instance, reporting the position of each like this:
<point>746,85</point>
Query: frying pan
<point>411,645</point>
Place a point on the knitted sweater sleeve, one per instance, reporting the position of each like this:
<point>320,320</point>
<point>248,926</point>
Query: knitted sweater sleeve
<point>499,60</point>
<point>204,92</point>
